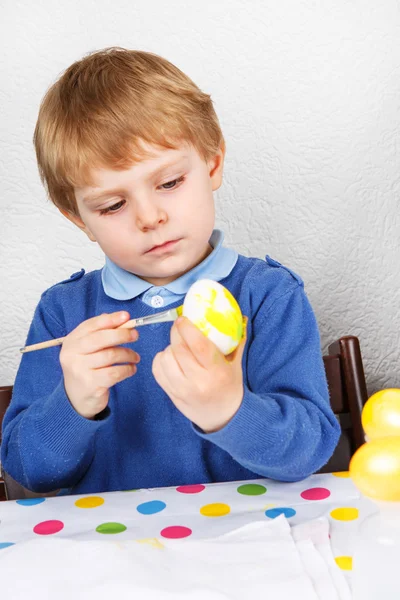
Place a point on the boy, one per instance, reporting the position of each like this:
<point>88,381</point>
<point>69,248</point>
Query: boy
<point>131,151</point>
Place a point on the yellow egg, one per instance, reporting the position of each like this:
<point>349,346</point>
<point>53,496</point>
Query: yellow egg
<point>375,468</point>
<point>381,414</point>
<point>213,309</point>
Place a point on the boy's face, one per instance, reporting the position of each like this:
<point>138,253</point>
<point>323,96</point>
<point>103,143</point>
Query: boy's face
<point>155,218</point>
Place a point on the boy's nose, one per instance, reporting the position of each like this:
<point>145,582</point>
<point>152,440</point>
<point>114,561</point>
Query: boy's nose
<point>150,217</point>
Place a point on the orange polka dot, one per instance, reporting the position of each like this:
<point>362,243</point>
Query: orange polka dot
<point>89,502</point>
<point>341,474</point>
<point>344,562</point>
<point>344,514</point>
<point>215,510</point>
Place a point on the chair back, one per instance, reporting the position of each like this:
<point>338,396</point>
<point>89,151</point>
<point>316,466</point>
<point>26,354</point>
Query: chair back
<point>348,394</point>
<point>5,399</point>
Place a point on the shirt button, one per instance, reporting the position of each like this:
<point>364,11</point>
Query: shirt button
<point>157,301</point>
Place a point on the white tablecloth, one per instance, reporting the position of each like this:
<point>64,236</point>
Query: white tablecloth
<point>176,516</point>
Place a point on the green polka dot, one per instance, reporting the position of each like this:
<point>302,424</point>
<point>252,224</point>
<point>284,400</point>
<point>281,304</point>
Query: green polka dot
<point>252,489</point>
<point>110,528</point>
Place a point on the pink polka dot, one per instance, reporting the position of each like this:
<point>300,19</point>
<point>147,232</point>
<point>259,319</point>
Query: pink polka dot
<point>190,489</point>
<point>176,532</point>
<point>48,527</point>
<point>315,494</point>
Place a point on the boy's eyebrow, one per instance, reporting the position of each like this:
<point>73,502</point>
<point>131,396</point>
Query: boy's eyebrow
<point>168,165</point>
<point>89,198</point>
<point>105,194</point>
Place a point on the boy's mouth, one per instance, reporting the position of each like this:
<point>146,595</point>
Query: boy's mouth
<point>166,247</point>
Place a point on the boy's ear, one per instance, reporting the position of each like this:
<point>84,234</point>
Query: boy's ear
<point>216,168</point>
<point>76,220</point>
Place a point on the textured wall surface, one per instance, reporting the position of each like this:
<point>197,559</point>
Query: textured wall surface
<point>308,95</point>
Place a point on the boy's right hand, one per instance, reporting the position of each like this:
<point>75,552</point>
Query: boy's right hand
<point>91,360</point>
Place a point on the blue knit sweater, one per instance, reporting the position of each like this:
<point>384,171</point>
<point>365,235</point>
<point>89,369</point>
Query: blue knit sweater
<point>284,429</point>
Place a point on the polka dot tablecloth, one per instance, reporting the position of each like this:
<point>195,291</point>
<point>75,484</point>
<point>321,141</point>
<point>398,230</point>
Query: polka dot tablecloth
<point>188,512</point>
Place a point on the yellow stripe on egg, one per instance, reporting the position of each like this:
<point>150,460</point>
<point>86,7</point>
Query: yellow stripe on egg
<point>214,310</point>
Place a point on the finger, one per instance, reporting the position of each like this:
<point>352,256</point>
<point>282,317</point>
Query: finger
<point>104,321</point>
<point>175,336</point>
<point>160,375</point>
<point>204,350</point>
<point>112,356</point>
<point>109,376</point>
<point>170,364</point>
<point>181,351</point>
<point>168,373</point>
<point>187,363</point>
<point>106,338</point>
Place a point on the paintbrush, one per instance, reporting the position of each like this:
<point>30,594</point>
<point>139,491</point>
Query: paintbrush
<point>168,315</point>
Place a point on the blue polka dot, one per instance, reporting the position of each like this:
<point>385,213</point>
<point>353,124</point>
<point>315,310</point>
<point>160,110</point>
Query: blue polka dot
<point>272,513</point>
<point>5,545</point>
<point>30,501</point>
<point>151,508</point>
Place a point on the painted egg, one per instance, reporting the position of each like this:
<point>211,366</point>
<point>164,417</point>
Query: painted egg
<point>375,468</point>
<point>213,309</point>
<point>381,414</point>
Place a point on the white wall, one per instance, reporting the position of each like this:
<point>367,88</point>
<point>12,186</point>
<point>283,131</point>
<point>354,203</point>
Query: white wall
<point>308,94</point>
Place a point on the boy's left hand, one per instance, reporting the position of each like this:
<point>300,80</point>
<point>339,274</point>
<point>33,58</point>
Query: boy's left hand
<point>205,385</point>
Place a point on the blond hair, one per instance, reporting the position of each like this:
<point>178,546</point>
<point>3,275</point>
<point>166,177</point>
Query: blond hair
<point>102,109</point>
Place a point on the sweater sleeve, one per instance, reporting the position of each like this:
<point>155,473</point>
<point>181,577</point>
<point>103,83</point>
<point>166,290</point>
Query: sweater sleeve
<point>46,444</point>
<point>285,428</point>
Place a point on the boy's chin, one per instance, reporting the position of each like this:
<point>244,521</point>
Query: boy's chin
<point>162,280</point>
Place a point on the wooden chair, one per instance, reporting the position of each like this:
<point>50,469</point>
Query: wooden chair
<point>348,394</point>
<point>5,397</point>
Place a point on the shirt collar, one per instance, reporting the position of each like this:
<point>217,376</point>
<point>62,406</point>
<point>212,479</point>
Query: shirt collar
<point>123,285</point>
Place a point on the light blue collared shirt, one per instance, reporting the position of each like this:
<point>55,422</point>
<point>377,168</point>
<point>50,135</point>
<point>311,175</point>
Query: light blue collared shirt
<point>123,285</point>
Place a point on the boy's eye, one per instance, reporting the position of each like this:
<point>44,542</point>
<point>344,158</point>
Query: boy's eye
<point>170,185</point>
<point>113,208</point>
